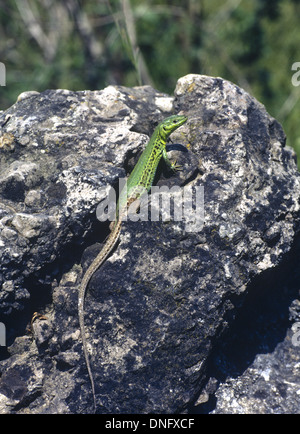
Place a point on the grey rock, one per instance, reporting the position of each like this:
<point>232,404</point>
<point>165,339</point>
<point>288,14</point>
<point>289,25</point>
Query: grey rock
<point>270,385</point>
<point>160,311</point>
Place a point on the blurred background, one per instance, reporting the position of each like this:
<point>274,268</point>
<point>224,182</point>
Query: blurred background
<point>85,44</point>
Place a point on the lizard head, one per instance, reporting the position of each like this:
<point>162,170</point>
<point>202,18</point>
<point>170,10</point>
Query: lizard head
<point>168,125</point>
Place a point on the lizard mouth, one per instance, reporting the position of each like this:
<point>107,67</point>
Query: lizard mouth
<point>181,120</point>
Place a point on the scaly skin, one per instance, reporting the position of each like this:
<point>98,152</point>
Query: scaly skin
<point>139,181</point>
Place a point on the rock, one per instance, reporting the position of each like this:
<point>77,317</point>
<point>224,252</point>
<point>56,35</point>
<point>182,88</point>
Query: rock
<point>161,310</point>
<point>256,365</point>
<point>270,385</point>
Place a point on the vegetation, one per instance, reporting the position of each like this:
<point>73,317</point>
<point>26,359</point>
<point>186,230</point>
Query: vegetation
<point>85,44</point>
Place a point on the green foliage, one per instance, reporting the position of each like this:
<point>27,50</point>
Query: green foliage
<point>88,45</point>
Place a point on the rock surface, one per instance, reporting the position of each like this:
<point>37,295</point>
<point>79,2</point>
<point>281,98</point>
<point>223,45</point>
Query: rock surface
<point>165,314</point>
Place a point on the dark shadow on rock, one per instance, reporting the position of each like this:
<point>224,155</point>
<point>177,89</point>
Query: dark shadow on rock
<point>260,325</point>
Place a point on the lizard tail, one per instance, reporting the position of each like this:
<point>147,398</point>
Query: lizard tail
<point>100,258</point>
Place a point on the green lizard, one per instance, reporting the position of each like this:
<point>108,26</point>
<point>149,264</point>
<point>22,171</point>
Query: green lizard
<point>140,180</point>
